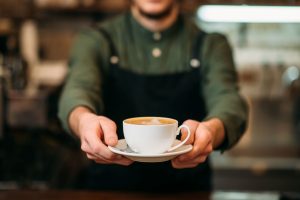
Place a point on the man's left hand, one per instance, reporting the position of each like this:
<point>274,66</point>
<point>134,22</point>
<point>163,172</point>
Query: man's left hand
<point>205,136</point>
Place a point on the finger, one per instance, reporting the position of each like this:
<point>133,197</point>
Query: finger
<point>92,153</point>
<point>85,146</point>
<point>200,159</point>
<point>98,148</point>
<point>202,142</point>
<point>98,159</point>
<point>184,166</point>
<point>192,124</point>
<point>124,161</point>
<point>208,149</point>
<point>195,154</point>
<point>193,163</point>
<point>90,137</point>
<point>109,129</point>
<point>119,160</point>
<point>91,156</point>
<point>203,137</point>
<point>178,165</point>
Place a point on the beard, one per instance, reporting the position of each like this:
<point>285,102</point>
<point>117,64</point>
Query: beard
<point>157,16</point>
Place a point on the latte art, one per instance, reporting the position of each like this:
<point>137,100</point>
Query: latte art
<point>150,121</point>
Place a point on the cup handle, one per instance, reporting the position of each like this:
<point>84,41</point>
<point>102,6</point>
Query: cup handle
<point>184,141</point>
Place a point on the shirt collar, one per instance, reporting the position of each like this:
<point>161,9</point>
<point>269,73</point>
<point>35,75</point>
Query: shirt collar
<point>155,36</point>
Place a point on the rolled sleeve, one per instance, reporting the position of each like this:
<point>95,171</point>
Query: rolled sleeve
<point>221,91</point>
<point>83,86</point>
<point>72,98</point>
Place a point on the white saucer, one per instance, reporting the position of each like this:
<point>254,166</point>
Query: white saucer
<point>123,149</point>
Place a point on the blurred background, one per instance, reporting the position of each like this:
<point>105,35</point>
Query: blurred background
<point>35,39</point>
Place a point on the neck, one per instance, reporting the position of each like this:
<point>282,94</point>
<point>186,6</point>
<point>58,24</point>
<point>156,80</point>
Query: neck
<point>156,25</point>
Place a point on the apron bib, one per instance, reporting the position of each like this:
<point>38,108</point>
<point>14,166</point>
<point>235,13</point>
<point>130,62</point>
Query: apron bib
<point>128,94</point>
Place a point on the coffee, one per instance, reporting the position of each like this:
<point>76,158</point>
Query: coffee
<point>152,135</point>
<point>150,121</point>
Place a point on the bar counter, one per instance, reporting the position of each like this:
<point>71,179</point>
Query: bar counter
<point>93,195</point>
<point>109,195</point>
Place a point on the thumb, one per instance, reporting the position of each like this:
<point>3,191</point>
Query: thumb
<point>109,129</point>
<point>192,124</point>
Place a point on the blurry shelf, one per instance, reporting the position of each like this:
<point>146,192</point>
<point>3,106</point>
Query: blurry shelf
<point>254,163</point>
<point>28,8</point>
<point>256,2</point>
<point>242,173</point>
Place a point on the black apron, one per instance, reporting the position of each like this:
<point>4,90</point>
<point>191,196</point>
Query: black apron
<point>128,94</point>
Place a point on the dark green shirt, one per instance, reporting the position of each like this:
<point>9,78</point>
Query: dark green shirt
<point>146,52</point>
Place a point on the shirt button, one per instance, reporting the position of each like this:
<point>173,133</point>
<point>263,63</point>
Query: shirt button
<point>156,36</point>
<point>195,63</point>
<point>156,52</point>
<point>114,60</point>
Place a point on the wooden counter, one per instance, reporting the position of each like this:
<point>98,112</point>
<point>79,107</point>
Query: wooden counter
<point>89,195</point>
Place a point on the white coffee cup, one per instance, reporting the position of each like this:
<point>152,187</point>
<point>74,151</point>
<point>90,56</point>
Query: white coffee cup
<point>152,135</point>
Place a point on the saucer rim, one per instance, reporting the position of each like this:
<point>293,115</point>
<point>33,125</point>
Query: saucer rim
<point>188,147</point>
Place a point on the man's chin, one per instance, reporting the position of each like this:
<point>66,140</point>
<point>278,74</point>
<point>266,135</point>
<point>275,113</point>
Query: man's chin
<point>157,15</point>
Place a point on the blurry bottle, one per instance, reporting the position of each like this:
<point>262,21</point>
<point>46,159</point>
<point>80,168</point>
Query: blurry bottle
<point>267,80</point>
<point>1,66</point>
<point>280,67</point>
<point>16,65</point>
<point>1,96</point>
<point>29,42</point>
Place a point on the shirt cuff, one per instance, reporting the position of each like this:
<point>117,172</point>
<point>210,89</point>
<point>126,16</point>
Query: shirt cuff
<point>67,107</point>
<point>234,128</point>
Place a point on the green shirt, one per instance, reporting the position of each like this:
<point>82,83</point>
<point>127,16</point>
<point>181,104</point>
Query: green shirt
<point>145,52</point>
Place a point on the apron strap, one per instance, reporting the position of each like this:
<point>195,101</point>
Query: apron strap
<point>114,58</point>
<point>196,59</point>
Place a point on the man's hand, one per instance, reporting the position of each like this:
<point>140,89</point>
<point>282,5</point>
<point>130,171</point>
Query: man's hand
<point>205,136</point>
<point>96,133</point>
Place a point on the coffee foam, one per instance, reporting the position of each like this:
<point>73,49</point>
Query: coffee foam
<point>150,121</point>
<point>153,121</point>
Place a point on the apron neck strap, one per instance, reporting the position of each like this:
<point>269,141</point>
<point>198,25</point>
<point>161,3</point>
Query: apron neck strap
<point>114,58</point>
<point>197,49</point>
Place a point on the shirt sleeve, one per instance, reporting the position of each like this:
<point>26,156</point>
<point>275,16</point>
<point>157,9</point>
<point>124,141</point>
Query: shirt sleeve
<point>83,84</point>
<point>221,91</point>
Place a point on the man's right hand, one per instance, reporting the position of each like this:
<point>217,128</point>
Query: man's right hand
<point>96,133</point>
